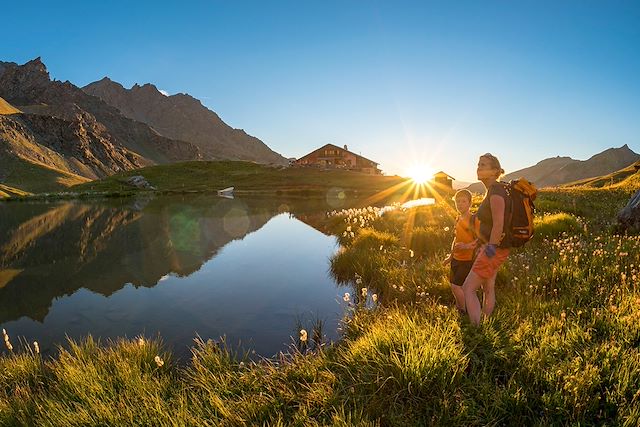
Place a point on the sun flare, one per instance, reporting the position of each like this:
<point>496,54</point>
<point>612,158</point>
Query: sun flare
<point>420,173</point>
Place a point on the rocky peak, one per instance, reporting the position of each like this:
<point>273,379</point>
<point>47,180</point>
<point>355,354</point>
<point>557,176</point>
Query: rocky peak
<point>36,65</point>
<point>21,82</point>
<point>147,87</point>
<point>183,117</point>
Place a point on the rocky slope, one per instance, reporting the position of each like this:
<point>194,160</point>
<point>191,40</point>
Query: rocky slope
<point>29,88</point>
<point>6,108</point>
<point>183,117</point>
<point>80,146</point>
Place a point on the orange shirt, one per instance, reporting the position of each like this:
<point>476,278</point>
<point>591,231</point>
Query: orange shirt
<point>464,234</point>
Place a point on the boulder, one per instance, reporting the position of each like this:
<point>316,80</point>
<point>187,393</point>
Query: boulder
<point>629,216</point>
<point>139,181</point>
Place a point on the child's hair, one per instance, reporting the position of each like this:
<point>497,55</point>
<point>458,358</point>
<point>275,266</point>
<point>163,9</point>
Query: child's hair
<point>465,193</point>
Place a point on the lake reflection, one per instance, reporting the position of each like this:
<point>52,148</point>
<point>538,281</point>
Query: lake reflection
<point>172,266</point>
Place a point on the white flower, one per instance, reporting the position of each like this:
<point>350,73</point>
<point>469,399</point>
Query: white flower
<point>446,229</point>
<point>303,335</point>
<point>36,347</point>
<point>346,297</point>
<point>374,297</point>
<point>349,228</point>
<point>364,292</point>
<point>411,253</point>
<point>158,361</point>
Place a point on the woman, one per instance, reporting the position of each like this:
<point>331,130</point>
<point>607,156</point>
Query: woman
<point>491,214</point>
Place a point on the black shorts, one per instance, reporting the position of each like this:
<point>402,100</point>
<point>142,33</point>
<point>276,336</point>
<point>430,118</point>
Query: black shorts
<point>459,271</point>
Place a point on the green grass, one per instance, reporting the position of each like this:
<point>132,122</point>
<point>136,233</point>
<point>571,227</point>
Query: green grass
<point>27,177</point>
<point>625,178</point>
<point>244,176</point>
<point>562,347</point>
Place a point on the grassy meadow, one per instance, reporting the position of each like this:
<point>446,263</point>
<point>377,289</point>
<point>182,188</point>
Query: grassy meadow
<point>245,177</point>
<point>562,347</point>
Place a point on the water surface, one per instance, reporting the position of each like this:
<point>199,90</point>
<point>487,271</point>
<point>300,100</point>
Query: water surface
<point>250,270</point>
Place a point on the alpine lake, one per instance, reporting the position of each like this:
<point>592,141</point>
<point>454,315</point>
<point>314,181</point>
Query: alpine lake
<point>252,270</point>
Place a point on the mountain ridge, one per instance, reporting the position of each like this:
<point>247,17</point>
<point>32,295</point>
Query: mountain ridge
<point>556,171</point>
<point>183,117</point>
<point>57,133</point>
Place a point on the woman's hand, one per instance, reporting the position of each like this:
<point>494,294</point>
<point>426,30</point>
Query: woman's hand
<point>490,250</point>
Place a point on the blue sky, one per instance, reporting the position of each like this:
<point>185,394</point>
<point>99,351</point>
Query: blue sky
<point>399,82</point>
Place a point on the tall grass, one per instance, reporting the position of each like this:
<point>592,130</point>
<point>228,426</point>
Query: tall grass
<point>562,347</point>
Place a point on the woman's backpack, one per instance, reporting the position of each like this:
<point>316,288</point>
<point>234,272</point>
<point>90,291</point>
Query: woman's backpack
<point>519,221</point>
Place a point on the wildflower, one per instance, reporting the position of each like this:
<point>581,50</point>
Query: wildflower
<point>303,335</point>
<point>36,347</point>
<point>158,361</point>
<point>141,342</point>
<point>344,234</point>
<point>352,235</point>
<point>374,297</point>
<point>446,229</point>
<point>411,253</point>
<point>7,342</point>
<point>241,364</point>
<point>381,246</point>
<point>401,289</point>
<point>346,297</point>
<point>349,228</point>
<point>364,292</point>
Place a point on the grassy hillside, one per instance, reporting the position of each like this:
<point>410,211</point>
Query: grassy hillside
<point>31,177</point>
<point>6,108</point>
<point>6,191</point>
<point>628,177</point>
<point>245,177</point>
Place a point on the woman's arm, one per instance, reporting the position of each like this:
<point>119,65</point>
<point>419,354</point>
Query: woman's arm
<point>497,216</point>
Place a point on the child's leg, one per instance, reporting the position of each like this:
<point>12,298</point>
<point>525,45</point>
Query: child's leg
<point>458,294</point>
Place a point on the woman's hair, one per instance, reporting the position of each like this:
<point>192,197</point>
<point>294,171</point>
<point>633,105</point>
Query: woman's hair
<point>463,193</point>
<point>495,163</point>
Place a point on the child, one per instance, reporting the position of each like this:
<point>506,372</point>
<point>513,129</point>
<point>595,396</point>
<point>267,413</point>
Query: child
<point>462,248</point>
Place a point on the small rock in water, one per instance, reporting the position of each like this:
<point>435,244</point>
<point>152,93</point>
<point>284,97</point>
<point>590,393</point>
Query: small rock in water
<point>629,216</point>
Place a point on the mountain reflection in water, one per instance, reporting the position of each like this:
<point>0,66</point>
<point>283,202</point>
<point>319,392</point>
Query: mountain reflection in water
<point>212,266</point>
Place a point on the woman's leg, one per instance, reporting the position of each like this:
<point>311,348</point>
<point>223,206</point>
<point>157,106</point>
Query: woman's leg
<point>458,294</point>
<point>489,295</point>
<point>470,287</point>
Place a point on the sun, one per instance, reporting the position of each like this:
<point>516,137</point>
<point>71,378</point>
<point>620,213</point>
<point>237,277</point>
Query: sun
<point>420,173</point>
